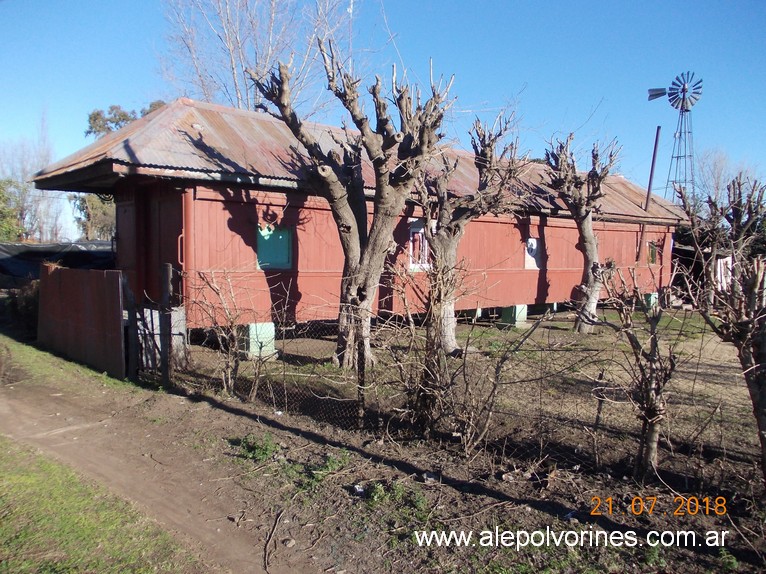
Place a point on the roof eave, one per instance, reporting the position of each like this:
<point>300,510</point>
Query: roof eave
<point>95,178</point>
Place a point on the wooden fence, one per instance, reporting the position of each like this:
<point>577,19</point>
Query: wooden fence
<point>81,317</point>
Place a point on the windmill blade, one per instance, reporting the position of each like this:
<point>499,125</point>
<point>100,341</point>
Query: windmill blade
<point>683,92</point>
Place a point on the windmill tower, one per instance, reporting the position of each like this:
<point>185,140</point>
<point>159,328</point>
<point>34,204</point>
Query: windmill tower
<point>682,94</point>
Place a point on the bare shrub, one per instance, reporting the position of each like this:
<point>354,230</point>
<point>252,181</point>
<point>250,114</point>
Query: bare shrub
<point>648,366</point>
<point>224,309</point>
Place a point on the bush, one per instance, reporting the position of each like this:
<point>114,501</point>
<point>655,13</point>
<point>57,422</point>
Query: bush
<point>23,306</point>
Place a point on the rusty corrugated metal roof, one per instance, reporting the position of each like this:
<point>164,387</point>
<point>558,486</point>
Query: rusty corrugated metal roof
<point>194,140</point>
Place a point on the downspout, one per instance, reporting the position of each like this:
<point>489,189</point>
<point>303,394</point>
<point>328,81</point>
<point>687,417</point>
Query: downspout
<point>186,244</point>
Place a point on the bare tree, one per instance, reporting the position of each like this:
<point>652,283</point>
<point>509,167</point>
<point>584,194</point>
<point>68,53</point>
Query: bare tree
<point>731,295</point>
<point>221,45</point>
<point>38,216</point>
<point>582,194</point>
<point>398,158</point>
<point>446,215</point>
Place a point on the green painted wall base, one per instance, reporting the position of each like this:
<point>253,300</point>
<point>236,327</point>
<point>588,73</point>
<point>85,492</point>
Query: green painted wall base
<point>514,316</point>
<point>257,339</point>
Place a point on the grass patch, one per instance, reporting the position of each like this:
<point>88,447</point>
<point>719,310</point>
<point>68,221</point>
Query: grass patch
<point>258,449</point>
<point>39,365</point>
<point>51,521</point>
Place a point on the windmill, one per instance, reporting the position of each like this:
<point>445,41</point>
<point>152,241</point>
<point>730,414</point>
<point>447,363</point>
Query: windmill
<point>682,94</point>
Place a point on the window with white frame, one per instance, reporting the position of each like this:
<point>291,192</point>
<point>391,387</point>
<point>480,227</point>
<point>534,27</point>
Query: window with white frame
<point>418,246</point>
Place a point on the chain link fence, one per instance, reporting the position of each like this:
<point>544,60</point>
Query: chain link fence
<point>561,400</point>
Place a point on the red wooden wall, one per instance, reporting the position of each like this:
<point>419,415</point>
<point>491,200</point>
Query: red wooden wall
<point>210,232</point>
<point>149,226</point>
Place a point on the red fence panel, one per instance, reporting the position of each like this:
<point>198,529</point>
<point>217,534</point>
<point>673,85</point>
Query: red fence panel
<point>80,317</point>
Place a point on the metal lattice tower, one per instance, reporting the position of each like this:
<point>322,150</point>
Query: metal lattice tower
<point>683,93</point>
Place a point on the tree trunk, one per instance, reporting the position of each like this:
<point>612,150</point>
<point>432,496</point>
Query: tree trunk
<point>426,403</point>
<point>753,361</point>
<point>443,279</point>
<point>756,385</point>
<point>591,284</point>
<point>354,325</point>
<point>647,450</point>
<point>440,323</point>
<point>362,270</point>
<point>449,327</point>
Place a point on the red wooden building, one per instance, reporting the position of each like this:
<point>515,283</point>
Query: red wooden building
<point>220,193</point>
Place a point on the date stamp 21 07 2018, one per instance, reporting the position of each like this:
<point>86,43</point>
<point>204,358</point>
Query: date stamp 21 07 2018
<point>646,505</point>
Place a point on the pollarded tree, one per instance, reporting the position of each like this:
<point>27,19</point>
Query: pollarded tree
<point>398,156</point>
<point>582,196</point>
<point>446,215</point>
<point>733,303</point>
<point>649,365</point>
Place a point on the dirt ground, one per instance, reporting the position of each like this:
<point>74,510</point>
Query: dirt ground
<point>251,489</point>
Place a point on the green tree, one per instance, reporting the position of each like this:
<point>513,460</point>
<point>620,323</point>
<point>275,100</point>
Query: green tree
<point>9,228</point>
<point>94,214</point>
<point>102,122</point>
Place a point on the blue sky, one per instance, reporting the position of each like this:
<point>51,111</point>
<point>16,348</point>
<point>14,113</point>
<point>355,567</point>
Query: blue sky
<point>563,66</point>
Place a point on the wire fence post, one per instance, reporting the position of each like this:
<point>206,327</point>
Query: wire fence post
<point>133,340</point>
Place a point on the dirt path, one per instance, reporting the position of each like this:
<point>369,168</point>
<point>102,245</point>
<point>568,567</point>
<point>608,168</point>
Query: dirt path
<point>97,431</point>
<point>181,461</point>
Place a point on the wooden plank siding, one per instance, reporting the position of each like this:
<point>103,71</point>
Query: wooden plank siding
<point>220,226</point>
<point>80,317</point>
